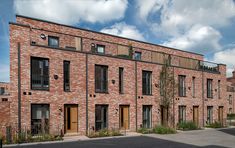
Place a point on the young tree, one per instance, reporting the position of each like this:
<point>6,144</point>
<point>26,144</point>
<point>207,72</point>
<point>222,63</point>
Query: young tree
<point>167,91</point>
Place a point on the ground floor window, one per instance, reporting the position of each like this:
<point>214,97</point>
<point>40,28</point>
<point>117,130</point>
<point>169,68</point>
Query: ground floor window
<point>182,114</point>
<point>209,114</point>
<point>147,115</point>
<point>101,117</point>
<point>39,118</point>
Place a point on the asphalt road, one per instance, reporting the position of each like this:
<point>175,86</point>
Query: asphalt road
<point>125,142</point>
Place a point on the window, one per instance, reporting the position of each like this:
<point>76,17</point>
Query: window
<point>162,78</point>
<point>147,116</point>
<point>193,87</point>
<point>209,114</point>
<point>209,88</point>
<point>66,75</point>
<point>39,118</point>
<point>53,41</point>
<point>230,110</point>
<point>2,90</point>
<point>100,49</point>
<point>39,73</point>
<point>219,89</point>
<point>182,114</point>
<point>182,87</point>
<point>147,82</point>
<point>137,55</point>
<point>121,80</point>
<point>101,117</point>
<point>230,99</point>
<point>101,78</point>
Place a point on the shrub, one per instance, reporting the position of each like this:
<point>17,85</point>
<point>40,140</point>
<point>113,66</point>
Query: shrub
<point>215,125</point>
<point>144,131</point>
<point>230,116</point>
<point>163,130</point>
<point>104,133</point>
<point>187,126</point>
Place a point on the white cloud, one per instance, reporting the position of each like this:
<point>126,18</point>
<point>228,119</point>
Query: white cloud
<point>227,57</point>
<point>4,73</point>
<point>124,30</point>
<point>202,39</point>
<point>71,11</point>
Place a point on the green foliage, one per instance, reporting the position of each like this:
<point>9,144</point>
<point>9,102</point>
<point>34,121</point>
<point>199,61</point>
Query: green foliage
<point>163,130</point>
<point>230,116</point>
<point>215,125</point>
<point>125,56</point>
<point>144,130</point>
<point>104,133</point>
<point>190,125</point>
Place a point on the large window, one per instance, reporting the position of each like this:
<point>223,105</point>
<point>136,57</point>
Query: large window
<point>147,116</point>
<point>209,114</point>
<point>39,73</point>
<point>39,118</point>
<point>53,41</point>
<point>121,80</point>
<point>101,117</point>
<point>2,90</point>
<point>219,89</point>
<point>137,55</point>
<point>146,82</point>
<point>182,87</point>
<point>101,78</point>
<point>193,87</point>
<point>66,75</point>
<point>209,88</point>
<point>182,114</point>
<point>230,99</point>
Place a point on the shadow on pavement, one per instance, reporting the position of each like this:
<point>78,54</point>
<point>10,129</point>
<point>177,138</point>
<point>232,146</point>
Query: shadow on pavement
<point>230,131</point>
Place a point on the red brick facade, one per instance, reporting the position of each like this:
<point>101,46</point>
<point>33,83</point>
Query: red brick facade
<point>25,37</point>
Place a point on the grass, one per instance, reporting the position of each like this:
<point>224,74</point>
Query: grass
<point>104,133</point>
<point>144,131</point>
<point>215,125</point>
<point>163,130</point>
<point>188,125</point>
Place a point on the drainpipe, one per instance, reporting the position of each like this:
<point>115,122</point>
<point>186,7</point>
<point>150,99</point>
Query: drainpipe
<point>19,89</point>
<point>86,94</point>
<point>136,96</point>
<point>203,101</point>
<point>174,97</point>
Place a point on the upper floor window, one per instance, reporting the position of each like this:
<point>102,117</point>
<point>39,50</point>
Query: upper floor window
<point>39,73</point>
<point>66,75</point>
<point>100,49</point>
<point>101,78</point>
<point>121,80</point>
<point>209,88</point>
<point>2,90</point>
<point>230,99</point>
<point>193,86</point>
<point>137,55</point>
<point>53,41</point>
<point>147,82</point>
<point>219,89</point>
<point>182,86</point>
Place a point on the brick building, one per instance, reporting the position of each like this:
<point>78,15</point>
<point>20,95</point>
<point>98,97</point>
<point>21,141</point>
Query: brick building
<point>231,93</point>
<point>76,80</point>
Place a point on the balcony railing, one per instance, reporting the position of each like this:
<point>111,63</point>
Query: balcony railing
<point>208,66</point>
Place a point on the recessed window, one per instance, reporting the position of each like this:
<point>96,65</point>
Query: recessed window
<point>182,114</point>
<point>66,75</point>
<point>182,87</point>
<point>121,80</point>
<point>100,49</point>
<point>53,41</point>
<point>101,78</point>
<point>209,114</point>
<point>219,89</point>
<point>147,83</point>
<point>193,86</point>
<point>101,117</point>
<point>39,73</point>
<point>137,55</point>
<point>2,90</point>
<point>209,88</point>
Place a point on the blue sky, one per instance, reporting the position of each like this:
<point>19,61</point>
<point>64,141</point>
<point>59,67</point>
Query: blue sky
<point>206,27</point>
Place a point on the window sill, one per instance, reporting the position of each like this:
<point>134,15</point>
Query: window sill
<point>34,89</point>
<point>101,92</point>
<point>183,96</point>
<point>147,94</point>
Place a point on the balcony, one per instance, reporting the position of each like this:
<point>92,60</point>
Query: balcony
<point>208,66</point>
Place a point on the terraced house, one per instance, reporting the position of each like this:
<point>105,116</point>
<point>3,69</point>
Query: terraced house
<point>72,80</point>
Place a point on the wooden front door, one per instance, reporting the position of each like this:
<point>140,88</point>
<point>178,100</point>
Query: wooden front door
<point>124,117</point>
<point>220,114</point>
<point>196,115</point>
<point>71,118</point>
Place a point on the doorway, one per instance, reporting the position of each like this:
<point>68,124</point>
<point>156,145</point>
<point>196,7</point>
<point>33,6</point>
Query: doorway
<point>196,115</point>
<point>71,118</point>
<point>124,116</point>
<point>220,114</point>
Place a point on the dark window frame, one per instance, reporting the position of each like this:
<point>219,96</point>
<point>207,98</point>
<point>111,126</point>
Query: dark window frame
<point>66,76</point>
<point>99,45</point>
<point>138,52</point>
<point>103,122</point>
<point>146,88</point>
<point>182,89</point>
<point>105,87</point>
<point>209,114</point>
<point>219,89</point>
<point>147,122</point>
<point>184,113</point>
<point>42,77</point>
<point>121,80</point>
<point>53,37</point>
<point>193,86</point>
<point>2,90</point>
<point>209,88</point>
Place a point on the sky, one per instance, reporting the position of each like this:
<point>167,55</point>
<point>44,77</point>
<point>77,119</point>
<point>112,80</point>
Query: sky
<point>202,26</point>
